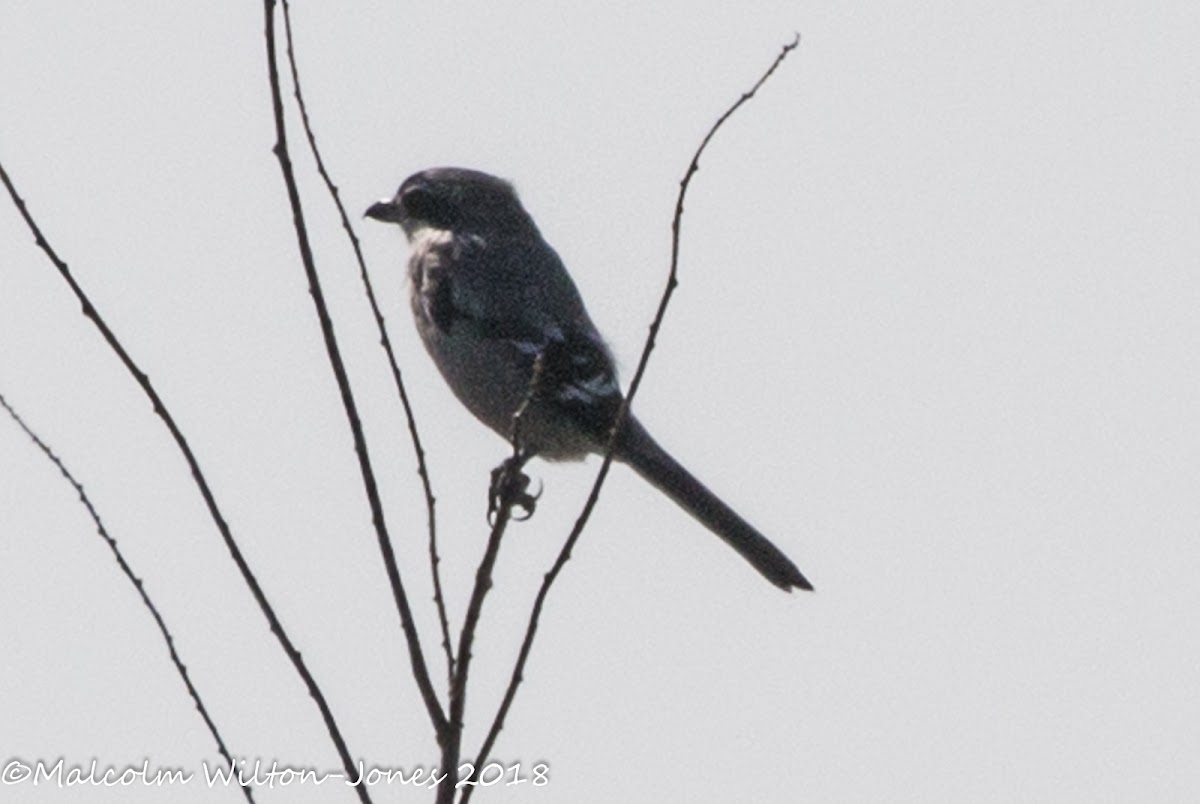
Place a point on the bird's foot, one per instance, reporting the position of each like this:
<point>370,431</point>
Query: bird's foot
<point>510,489</point>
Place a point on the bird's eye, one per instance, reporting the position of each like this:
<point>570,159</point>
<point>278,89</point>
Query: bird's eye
<point>423,205</point>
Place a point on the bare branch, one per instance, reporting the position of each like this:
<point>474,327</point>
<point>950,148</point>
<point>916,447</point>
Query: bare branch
<point>508,489</point>
<point>452,748</point>
<point>385,341</point>
<point>416,655</point>
<point>565,554</point>
<point>133,579</point>
<point>90,311</point>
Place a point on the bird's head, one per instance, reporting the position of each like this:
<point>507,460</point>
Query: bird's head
<point>453,199</point>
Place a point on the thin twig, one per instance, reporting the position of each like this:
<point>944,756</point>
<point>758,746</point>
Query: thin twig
<point>505,481</point>
<point>90,311</point>
<point>416,655</point>
<point>565,554</point>
<point>452,748</point>
<point>385,341</point>
<point>133,579</point>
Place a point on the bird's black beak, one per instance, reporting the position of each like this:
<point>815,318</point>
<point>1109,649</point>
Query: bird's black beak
<point>388,211</point>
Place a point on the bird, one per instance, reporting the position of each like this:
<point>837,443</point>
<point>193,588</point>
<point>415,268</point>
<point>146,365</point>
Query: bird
<point>506,326</point>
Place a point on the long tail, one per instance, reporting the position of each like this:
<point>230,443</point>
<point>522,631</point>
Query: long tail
<point>652,462</point>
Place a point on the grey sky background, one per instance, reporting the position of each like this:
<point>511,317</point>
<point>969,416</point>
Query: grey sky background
<point>936,335</point>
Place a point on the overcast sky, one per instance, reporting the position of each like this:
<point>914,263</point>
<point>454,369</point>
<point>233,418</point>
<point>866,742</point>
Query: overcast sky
<point>936,335</point>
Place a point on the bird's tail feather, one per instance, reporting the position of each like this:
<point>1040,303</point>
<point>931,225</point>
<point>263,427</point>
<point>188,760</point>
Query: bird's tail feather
<point>636,448</point>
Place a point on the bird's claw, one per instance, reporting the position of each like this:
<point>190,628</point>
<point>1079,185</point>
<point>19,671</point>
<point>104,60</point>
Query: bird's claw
<point>510,489</point>
<point>527,502</point>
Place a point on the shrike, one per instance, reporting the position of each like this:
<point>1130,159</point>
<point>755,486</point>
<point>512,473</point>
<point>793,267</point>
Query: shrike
<point>491,299</point>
